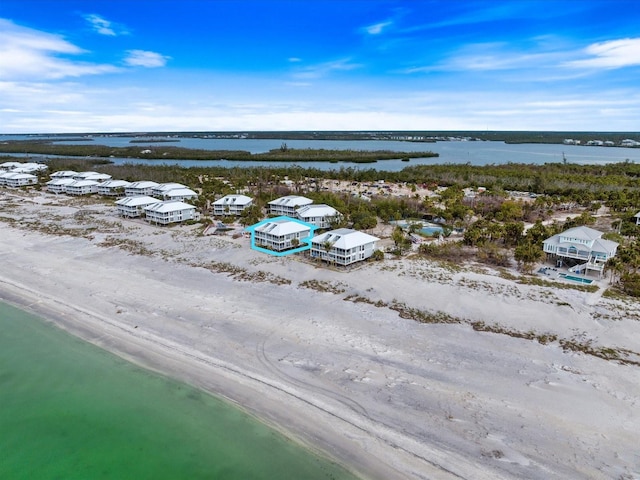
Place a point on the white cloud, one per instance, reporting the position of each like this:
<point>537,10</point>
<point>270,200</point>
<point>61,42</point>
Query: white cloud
<point>323,69</point>
<point>297,84</point>
<point>620,53</point>
<point>294,59</point>
<point>31,54</point>
<point>537,56</point>
<point>144,58</point>
<point>15,36</point>
<point>377,28</point>
<point>100,25</point>
<point>105,109</point>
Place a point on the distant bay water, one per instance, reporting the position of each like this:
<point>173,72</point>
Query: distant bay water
<point>453,152</point>
<point>70,410</point>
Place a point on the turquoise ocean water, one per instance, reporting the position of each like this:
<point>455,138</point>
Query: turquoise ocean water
<point>69,410</point>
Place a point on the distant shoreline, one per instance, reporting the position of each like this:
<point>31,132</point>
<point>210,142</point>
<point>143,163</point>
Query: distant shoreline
<point>428,136</point>
<point>283,154</point>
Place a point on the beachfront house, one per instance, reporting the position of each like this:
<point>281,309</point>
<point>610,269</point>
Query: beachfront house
<point>57,185</point>
<point>231,205</point>
<point>113,188</point>
<point>281,234</point>
<point>30,167</point>
<point>581,248</point>
<point>63,174</point>
<point>343,246</point>
<point>15,179</point>
<point>170,211</point>
<point>181,194</point>
<point>162,188</point>
<point>321,215</point>
<point>95,176</point>
<point>288,205</point>
<point>140,188</point>
<point>8,166</point>
<point>4,176</point>
<point>132,207</point>
<point>81,187</point>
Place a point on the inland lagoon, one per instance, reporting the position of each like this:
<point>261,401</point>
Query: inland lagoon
<point>71,410</point>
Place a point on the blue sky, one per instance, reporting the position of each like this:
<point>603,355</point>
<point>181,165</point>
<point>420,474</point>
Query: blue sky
<point>176,65</point>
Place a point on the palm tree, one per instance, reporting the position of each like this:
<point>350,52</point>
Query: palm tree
<point>615,267</point>
<point>398,238</point>
<point>327,248</point>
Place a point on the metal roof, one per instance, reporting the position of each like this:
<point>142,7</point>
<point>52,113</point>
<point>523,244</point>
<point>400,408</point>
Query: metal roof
<point>345,238</point>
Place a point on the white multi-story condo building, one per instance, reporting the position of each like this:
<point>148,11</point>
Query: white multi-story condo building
<point>288,205</point>
<point>140,188</point>
<point>134,206</point>
<point>320,215</point>
<point>343,246</point>
<point>281,234</point>
<point>231,205</point>
<point>113,188</point>
<point>164,213</point>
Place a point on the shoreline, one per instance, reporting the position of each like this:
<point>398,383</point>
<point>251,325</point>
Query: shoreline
<point>385,396</point>
<point>167,361</point>
<point>213,376</point>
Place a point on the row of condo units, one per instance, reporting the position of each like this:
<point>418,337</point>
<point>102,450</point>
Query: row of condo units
<point>87,183</point>
<point>143,204</point>
<point>168,207</point>
<point>156,211</point>
<point>295,206</point>
<point>17,174</point>
<point>21,167</point>
<point>627,142</point>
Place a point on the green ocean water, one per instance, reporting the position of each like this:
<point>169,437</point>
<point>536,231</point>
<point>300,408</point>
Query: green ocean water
<point>69,410</point>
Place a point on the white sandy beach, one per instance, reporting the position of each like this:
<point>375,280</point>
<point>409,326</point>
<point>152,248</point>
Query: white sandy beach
<point>389,397</point>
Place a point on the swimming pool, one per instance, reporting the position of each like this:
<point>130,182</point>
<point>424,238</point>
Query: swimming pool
<point>428,229</point>
<point>431,231</point>
<point>586,281</point>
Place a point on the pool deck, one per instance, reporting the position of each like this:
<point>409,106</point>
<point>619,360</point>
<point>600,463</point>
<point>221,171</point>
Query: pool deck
<point>561,273</point>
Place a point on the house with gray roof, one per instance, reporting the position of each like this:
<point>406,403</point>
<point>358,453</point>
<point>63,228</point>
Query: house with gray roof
<point>113,188</point>
<point>134,206</point>
<point>581,244</point>
<point>16,179</point>
<point>57,185</point>
<point>281,234</point>
<point>160,189</point>
<point>95,176</point>
<point>343,246</point>
<point>170,211</point>
<point>81,187</point>
<point>320,215</point>
<point>140,188</point>
<point>64,174</point>
<point>231,205</point>
<point>288,205</point>
<point>180,194</point>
